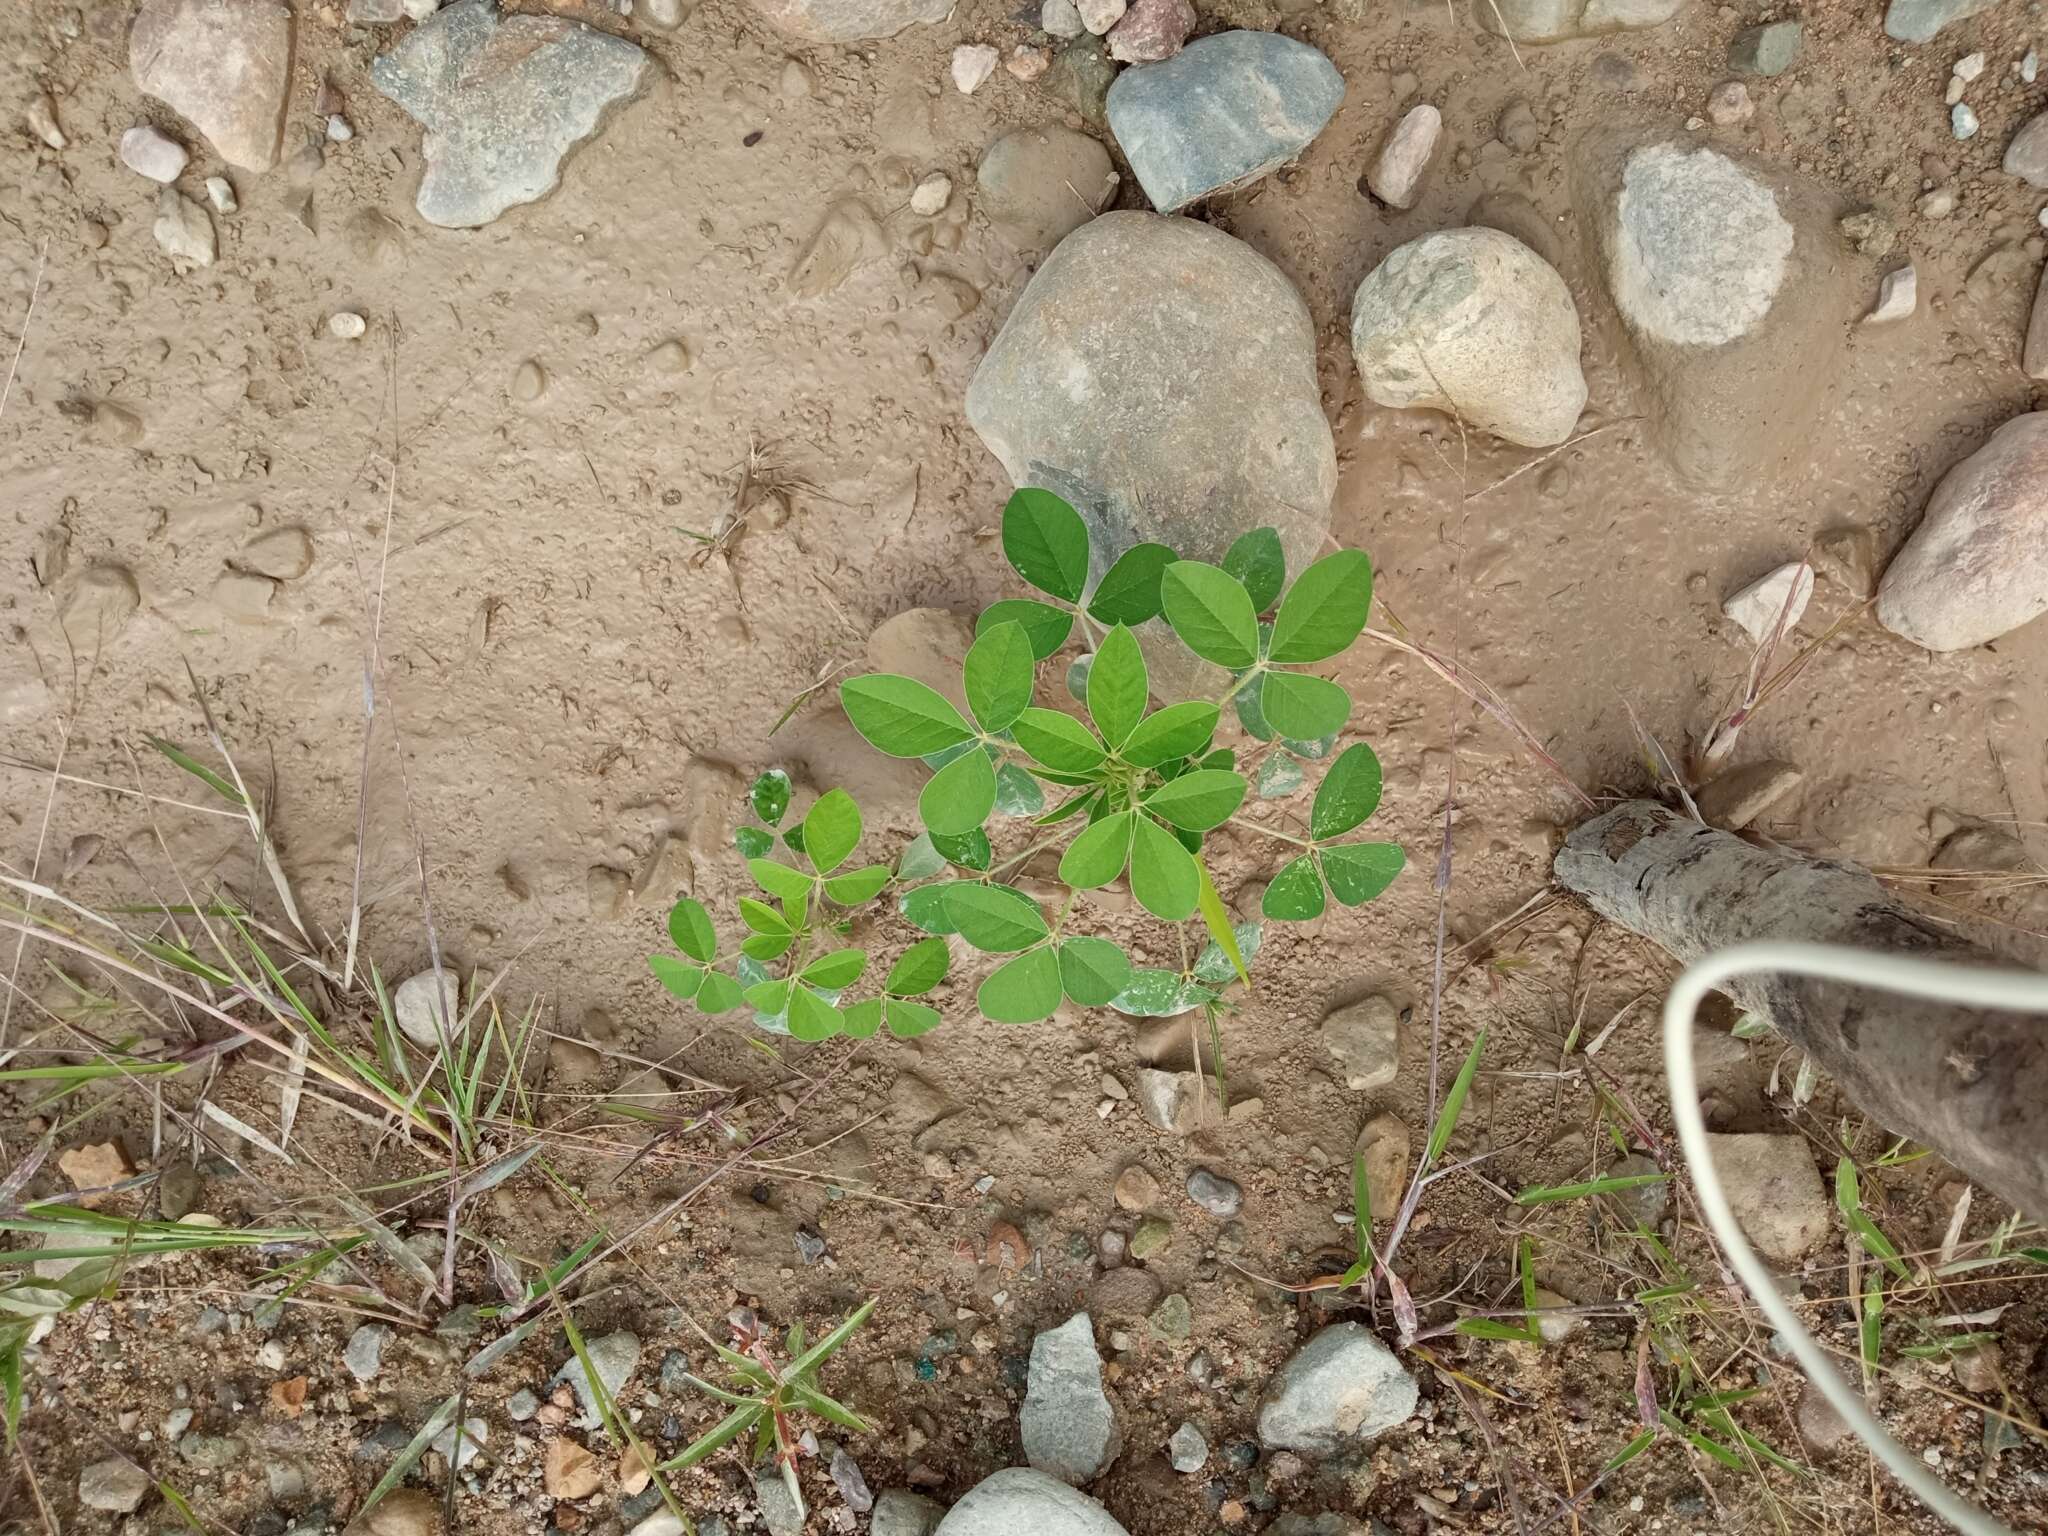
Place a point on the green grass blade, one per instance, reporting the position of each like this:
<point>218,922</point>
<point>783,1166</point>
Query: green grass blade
<point>415,1448</point>
<point>811,1358</point>
<point>727,1429</point>
<point>1545,1194</point>
<point>1454,1102</point>
<point>1630,1452</point>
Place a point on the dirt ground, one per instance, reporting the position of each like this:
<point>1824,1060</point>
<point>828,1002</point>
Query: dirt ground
<point>568,691</point>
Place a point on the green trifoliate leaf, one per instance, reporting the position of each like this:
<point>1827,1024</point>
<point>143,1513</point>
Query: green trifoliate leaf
<point>1296,893</point>
<point>998,675</point>
<point>1163,876</point>
<point>1298,705</point>
<point>1047,627</point>
<point>770,795</point>
<point>1179,730</point>
<point>1023,990</point>
<point>1257,560</point>
<point>689,926</point>
<point>1099,854</point>
<point>959,796</point>
<point>1357,872</point>
<point>1092,971</point>
<point>1117,686</point>
<point>1129,593</point>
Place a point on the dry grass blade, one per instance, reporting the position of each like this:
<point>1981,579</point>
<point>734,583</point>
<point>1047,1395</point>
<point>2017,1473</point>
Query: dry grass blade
<point>1481,693</point>
<point>1660,763</point>
<point>1758,688</point>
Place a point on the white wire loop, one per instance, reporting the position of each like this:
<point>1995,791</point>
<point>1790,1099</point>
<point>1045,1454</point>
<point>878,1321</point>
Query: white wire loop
<point>1940,981</point>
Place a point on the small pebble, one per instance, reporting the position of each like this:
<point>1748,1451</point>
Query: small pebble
<point>42,120</point>
<point>670,357</point>
<point>2030,66</point>
<point>1728,104</point>
<point>346,325</point>
<point>1215,1194</point>
<point>973,63</point>
<point>1028,63</point>
<point>338,129</point>
<point>148,153</point>
<point>221,193</point>
<point>529,381</point>
<point>1188,1449</point>
<point>931,195</point>
<point>1938,204</point>
<point>1963,121</point>
<point>1060,18</point>
<point>1969,67</point>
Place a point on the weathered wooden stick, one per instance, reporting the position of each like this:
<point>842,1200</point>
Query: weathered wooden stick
<point>1970,1083</point>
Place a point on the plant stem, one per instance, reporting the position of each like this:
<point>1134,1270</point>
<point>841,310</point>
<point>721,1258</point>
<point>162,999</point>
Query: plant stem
<point>1285,837</point>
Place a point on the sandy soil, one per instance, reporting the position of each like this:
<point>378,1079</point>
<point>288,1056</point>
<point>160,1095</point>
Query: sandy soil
<point>566,689</point>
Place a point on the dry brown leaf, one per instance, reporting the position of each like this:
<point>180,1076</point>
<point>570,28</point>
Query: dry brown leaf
<point>635,1470</point>
<point>570,1471</point>
<point>288,1397</point>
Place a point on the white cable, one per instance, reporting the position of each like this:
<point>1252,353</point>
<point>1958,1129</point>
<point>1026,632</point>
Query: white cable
<point>2017,991</point>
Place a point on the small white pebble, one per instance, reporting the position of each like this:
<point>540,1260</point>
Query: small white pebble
<point>148,153</point>
<point>338,129</point>
<point>973,63</point>
<point>1963,121</point>
<point>1932,1455</point>
<point>931,195</point>
<point>346,325</point>
<point>1969,66</point>
<point>1937,204</point>
<point>2030,66</point>
<point>1635,1505</point>
<point>221,193</point>
<point>1954,93</point>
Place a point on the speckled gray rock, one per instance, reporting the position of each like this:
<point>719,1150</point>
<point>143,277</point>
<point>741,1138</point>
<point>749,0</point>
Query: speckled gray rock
<point>846,21</point>
<point>503,101</point>
<point>1553,21</point>
<point>614,1355</point>
<point>223,64</point>
<point>364,1353</point>
<point>1335,1393</point>
<point>1161,376</point>
<point>899,1512</point>
<point>1765,50</point>
<point>1915,21</point>
<point>1977,566</point>
<point>115,1484</point>
<point>1068,1424</point>
<point>2027,155</point>
<point>779,1511</point>
<point>1221,113</point>
<point>1474,322</point>
<point>1019,1500</point>
<point>1699,246</point>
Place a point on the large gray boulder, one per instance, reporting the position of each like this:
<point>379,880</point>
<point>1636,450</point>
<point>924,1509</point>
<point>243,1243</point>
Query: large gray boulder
<point>1161,376</point>
<point>1553,21</point>
<point>1221,113</point>
<point>1020,1502</point>
<point>1977,566</point>
<point>1725,274</point>
<point>1335,1393</point>
<point>1068,1424</point>
<point>848,21</point>
<point>503,100</point>
<point>1473,322</point>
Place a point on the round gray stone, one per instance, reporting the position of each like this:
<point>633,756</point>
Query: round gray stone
<point>1161,376</point>
<point>1697,247</point>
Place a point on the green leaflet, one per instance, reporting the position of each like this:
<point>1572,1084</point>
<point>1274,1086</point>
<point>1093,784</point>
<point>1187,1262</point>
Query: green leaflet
<point>1357,872</point>
<point>1179,730</point>
<point>901,716</point>
<point>1129,592</point>
<point>1046,542</point>
<point>1257,561</point>
<point>1198,800</point>
<point>1117,686</point>
<point>1092,971</point>
<point>1047,627</point>
<point>1300,706</point>
<point>957,799</point>
<point>1099,854</point>
<point>998,675</point>
<point>1296,893</point>
<point>1348,795</point>
<point>1023,990</point>
<point>1211,613</point>
<point>1163,875</point>
<point>1322,612</point>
